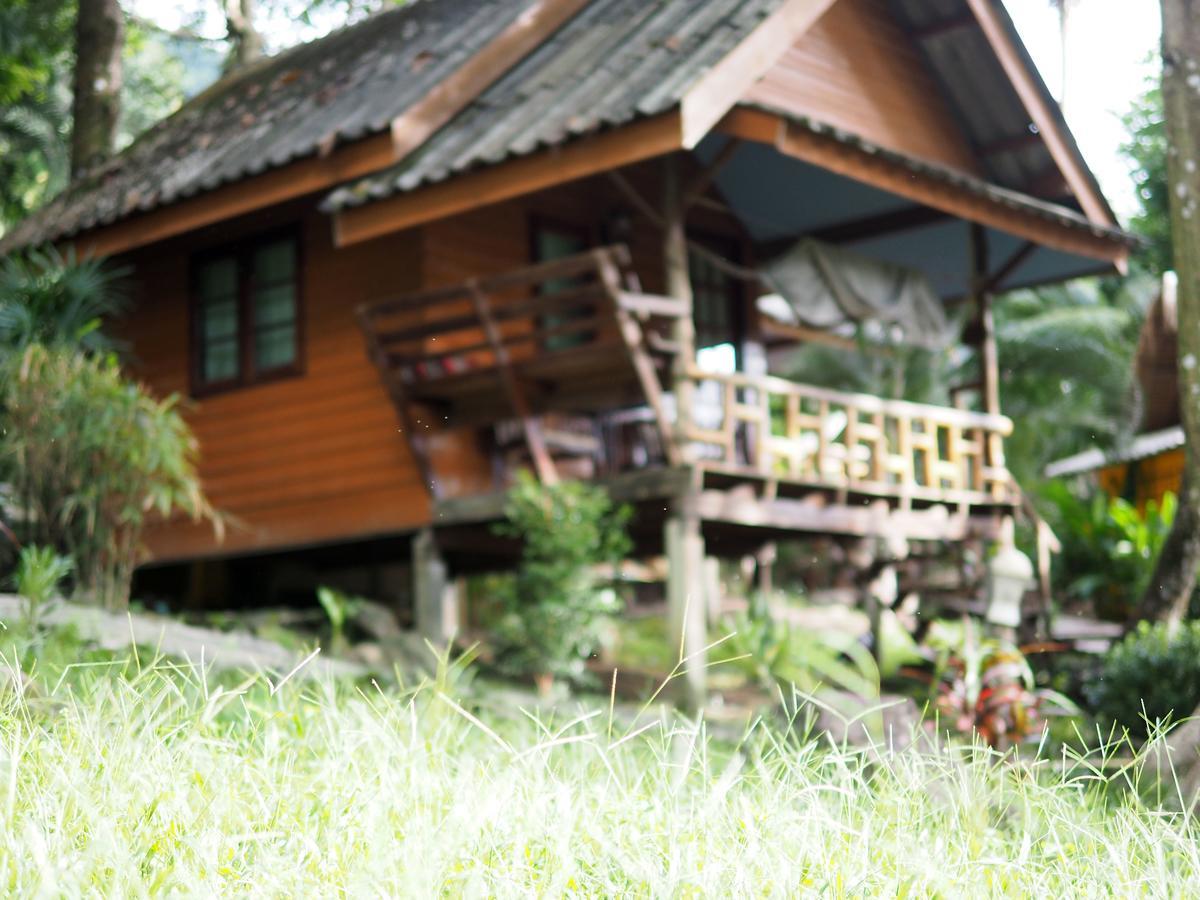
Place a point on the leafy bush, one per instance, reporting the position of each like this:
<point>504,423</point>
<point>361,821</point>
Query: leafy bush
<point>556,604</point>
<point>777,653</point>
<point>1152,674</point>
<point>338,607</point>
<point>88,456</point>
<point>40,571</point>
<point>1109,548</point>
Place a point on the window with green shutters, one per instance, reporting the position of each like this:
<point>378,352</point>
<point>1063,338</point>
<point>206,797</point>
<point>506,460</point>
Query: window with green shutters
<point>246,322</point>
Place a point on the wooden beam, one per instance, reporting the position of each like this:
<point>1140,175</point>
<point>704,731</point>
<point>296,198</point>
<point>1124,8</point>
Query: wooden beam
<point>578,159</point>
<point>305,176</point>
<point>988,358</point>
<point>413,127</point>
<point>1039,107</point>
<point>710,98</point>
<point>864,229</point>
<point>542,463</point>
<point>1009,266</point>
<point>704,180</point>
<point>773,328</point>
<point>935,523</point>
<point>898,179</point>
<point>643,365</point>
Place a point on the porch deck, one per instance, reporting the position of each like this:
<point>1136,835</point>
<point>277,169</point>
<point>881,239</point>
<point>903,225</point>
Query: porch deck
<point>578,337</point>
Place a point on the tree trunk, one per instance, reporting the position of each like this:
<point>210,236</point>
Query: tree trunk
<point>99,40</point>
<point>1167,596</point>
<point>246,43</point>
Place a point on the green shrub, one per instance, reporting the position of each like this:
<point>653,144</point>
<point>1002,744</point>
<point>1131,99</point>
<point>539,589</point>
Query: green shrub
<point>1109,548</point>
<point>1151,674</point>
<point>556,604</point>
<point>339,608</point>
<point>779,654</point>
<point>40,572</point>
<point>88,457</point>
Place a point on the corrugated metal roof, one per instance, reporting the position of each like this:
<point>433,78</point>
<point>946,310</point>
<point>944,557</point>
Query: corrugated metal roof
<point>616,61</point>
<point>1141,447</point>
<point>342,87</point>
<point>980,92</point>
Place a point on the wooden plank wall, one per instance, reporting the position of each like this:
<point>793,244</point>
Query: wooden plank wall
<point>856,70</point>
<point>300,460</point>
<point>319,458</point>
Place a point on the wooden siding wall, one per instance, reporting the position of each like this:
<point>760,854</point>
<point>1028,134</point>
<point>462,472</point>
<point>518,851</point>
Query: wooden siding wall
<point>302,460</point>
<point>855,69</point>
<point>319,458</point>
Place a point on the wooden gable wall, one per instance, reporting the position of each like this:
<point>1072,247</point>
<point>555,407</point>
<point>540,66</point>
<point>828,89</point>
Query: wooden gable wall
<point>855,69</point>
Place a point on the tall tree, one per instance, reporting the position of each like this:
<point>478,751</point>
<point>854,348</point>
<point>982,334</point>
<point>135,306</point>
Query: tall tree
<point>245,41</point>
<point>96,107</point>
<point>35,47</point>
<point>1174,579</point>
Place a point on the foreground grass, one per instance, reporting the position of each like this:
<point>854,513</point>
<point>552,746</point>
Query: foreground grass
<point>131,778</point>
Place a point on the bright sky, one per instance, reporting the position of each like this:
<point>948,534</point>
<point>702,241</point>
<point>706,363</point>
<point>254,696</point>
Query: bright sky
<point>1112,51</point>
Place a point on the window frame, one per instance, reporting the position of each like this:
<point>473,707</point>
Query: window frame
<point>585,233</point>
<point>242,252</point>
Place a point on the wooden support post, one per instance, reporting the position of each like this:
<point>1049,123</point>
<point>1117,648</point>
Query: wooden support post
<point>764,569</point>
<point>988,359</point>
<point>686,600</point>
<point>679,285</point>
<point>435,595</point>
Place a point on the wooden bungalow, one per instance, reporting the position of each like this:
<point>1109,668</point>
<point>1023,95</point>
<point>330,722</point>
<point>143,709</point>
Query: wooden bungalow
<point>466,236</point>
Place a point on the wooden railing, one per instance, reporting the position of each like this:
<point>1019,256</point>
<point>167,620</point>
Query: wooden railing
<point>852,443</point>
<point>576,334</point>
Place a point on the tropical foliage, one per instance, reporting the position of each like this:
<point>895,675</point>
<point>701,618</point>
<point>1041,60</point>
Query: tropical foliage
<point>88,457</point>
<point>985,687</point>
<point>1147,152</point>
<point>1108,547</point>
<point>35,38</point>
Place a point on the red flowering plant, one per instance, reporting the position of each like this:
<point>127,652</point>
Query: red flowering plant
<point>986,687</point>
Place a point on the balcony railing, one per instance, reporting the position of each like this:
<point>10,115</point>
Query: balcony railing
<point>851,443</point>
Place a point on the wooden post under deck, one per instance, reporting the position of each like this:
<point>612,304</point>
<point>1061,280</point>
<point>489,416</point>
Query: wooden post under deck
<point>686,595</point>
<point>435,598</point>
